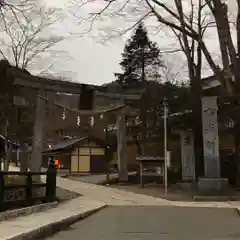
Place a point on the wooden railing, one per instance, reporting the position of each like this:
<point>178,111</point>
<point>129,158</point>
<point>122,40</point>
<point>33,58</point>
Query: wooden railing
<point>28,187</point>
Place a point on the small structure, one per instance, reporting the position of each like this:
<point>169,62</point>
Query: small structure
<point>82,155</point>
<point>154,163</point>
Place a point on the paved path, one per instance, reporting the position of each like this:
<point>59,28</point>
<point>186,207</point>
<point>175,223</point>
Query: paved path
<point>112,196</point>
<point>95,178</point>
<point>131,216</point>
<point>34,222</point>
<point>91,178</point>
<point>115,197</point>
<point>155,223</point>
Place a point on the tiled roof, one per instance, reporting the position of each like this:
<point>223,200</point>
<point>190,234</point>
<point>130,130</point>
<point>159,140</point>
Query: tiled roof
<point>64,144</point>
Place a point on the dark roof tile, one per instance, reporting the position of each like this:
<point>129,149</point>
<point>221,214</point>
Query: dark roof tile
<point>64,144</point>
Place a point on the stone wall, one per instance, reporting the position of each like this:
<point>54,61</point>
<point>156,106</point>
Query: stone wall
<point>26,211</point>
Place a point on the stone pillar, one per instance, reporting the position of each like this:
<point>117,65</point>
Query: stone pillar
<point>212,180</point>
<point>23,158</point>
<point>121,147</point>
<point>187,156</point>
<point>37,145</point>
<point>210,137</point>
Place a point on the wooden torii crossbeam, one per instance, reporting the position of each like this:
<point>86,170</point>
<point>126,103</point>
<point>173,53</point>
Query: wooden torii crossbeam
<point>120,111</point>
<point>43,85</point>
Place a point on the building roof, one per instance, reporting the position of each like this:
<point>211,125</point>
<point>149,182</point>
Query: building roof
<point>210,82</point>
<point>124,96</point>
<point>64,144</point>
<point>3,138</point>
<point>68,144</point>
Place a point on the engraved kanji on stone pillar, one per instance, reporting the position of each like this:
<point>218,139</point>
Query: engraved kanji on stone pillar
<point>210,137</point>
<point>187,156</point>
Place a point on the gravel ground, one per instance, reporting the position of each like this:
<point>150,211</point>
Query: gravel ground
<point>174,193</point>
<point>157,191</point>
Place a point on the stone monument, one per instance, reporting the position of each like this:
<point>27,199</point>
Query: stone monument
<point>212,181</point>
<point>187,156</point>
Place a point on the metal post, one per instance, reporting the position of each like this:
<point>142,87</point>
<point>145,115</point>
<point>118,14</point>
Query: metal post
<point>107,155</point>
<point>165,146</point>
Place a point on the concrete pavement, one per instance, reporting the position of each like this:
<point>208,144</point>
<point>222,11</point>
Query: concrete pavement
<point>116,197</point>
<point>29,227</point>
<point>92,178</point>
<point>155,223</point>
<point>96,197</point>
<point>95,178</point>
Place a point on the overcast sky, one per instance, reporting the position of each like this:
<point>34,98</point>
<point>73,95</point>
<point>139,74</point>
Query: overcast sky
<point>93,62</point>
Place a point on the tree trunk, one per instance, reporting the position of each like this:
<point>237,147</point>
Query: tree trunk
<point>143,66</point>
<point>236,135</point>
<point>139,149</point>
<point>5,160</point>
<point>197,127</point>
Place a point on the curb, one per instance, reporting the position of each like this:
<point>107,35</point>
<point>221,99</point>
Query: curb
<point>238,211</point>
<point>214,198</point>
<point>10,214</point>
<point>54,227</point>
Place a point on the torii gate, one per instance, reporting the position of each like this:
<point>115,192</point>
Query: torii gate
<point>41,86</point>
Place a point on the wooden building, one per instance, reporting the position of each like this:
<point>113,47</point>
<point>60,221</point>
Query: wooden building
<point>84,155</point>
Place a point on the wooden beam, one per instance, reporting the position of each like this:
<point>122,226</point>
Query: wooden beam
<point>74,88</point>
<point>121,96</point>
<point>28,80</point>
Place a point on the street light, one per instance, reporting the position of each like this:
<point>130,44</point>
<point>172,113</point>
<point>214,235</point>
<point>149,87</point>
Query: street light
<point>165,146</point>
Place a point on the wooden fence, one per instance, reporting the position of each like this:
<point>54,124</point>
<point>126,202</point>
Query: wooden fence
<point>27,187</point>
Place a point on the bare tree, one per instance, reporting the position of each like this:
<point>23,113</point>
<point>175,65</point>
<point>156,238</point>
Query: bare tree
<point>193,53</point>
<point>189,20</point>
<point>166,13</point>
<point>26,36</point>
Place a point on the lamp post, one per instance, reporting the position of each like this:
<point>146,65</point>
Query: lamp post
<point>165,146</point>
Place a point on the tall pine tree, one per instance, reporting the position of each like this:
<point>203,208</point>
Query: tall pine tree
<point>141,59</point>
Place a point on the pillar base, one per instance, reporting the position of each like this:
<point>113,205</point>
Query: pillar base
<point>123,177</point>
<point>213,186</point>
<point>191,185</point>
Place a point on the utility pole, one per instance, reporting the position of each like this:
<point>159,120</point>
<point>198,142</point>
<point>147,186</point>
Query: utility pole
<point>165,146</point>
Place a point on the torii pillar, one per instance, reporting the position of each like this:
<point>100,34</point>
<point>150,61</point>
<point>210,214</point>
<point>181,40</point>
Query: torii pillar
<point>38,137</point>
<point>121,146</point>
